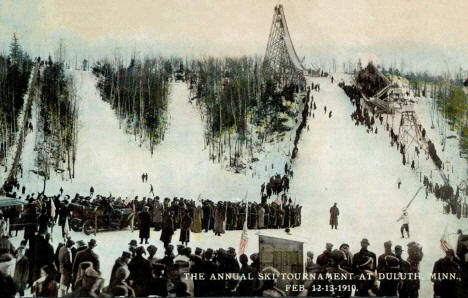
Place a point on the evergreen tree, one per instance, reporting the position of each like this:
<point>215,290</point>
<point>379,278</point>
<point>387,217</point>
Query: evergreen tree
<point>16,54</point>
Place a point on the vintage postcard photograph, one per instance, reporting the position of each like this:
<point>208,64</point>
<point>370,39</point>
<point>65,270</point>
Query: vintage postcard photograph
<point>223,148</point>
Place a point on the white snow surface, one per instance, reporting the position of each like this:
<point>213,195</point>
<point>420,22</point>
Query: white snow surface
<point>337,162</point>
<point>111,162</point>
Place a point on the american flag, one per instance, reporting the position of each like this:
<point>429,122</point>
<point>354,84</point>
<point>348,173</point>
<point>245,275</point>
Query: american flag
<point>244,239</point>
<point>277,201</point>
<point>244,236</point>
<point>443,241</point>
<point>52,208</point>
<point>66,230</point>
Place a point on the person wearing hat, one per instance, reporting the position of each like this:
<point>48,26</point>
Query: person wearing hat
<point>185,224</point>
<point>80,245</point>
<point>157,214</point>
<point>65,266</point>
<point>389,286</point>
<point>145,220</point>
<point>132,246</point>
<point>63,215</point>
<point>445,287</point>
<point>348,258</point>
<point>140,273</point>
<point>268,288</point>
<point>46,286</point>
<point>334,213</point>
<point>120,262</point>
<point>7,285</point>
<point>363,255</point>
<point>119,286</point>
<point>6,246</point>
<point>91,285</point>
<point>245,287</point>
<point>323,259</point>
<point>387,252</point>
<point>151,249</point>
<point>21,274</point>
<point>86,255</point>
<point>167,229</point>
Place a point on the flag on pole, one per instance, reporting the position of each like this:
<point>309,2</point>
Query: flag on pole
<point>277,201</point>
<point>132,220</point>
<point>66,230</point>
<point>443,241</point>
<point>7,226</point>
<point>52,208</point>
<point>244,236</point>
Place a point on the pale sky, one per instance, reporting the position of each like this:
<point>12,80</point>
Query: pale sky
<point>427,34</point>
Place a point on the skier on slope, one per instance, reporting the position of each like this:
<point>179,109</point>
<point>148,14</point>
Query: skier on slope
<point>405,226</point>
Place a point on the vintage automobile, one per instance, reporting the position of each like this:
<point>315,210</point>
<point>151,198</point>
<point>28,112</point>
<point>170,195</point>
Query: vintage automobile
<point>9,206</point>
<point>95,218</point>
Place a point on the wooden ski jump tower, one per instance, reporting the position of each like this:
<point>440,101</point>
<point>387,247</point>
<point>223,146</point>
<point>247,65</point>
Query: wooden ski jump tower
<point>409,131</point>
<point>281,62</point>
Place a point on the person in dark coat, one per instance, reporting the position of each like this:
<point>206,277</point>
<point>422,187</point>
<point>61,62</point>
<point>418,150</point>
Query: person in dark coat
<point>323,259</point>
<point>245,287</point>
<point>121,261</point>
<point>145,224</point>
<point>86,255</point>
<point>30,223</point>
<point>362,256</point>
<point>185,225</point>
<point>389,286</point>
<point>388,252</point>
<point>63,214</point>
<point>404,268</point>
<point>43,222</point>
<point>65,267</point>
<point>445,287</point>
<point>44,252</point>
<point>140,273</point>
<point>334,213</point>
<point>167,229</point>
<point>7,285</point>
<point>21,273</point>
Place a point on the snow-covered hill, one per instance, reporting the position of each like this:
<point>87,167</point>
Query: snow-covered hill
<point>337,162</point>
<point>110,161</point>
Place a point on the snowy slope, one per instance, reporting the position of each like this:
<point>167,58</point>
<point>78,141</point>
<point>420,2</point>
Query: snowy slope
<point>10,156</point>
<point>110,161</point>
<point>337,162</point>
<point>340,162</point>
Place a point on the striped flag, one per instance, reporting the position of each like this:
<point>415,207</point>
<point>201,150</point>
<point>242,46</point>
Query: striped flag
<point>244,238</point>
<point>443,241</point>
<point>277,201</point>
<point>52,208</point>
<point>66,229</point>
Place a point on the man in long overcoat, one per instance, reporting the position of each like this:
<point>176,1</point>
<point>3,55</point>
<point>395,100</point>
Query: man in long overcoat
<point>157,214</point>
<point>185,224</point>
<point>167,229</point>
<point>334,213</point>
<point>145,224</point>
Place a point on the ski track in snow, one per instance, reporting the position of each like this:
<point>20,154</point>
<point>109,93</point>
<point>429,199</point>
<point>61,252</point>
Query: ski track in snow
<point>337,162</point>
